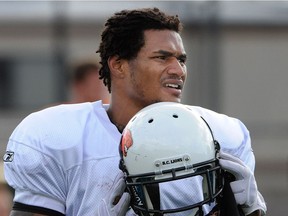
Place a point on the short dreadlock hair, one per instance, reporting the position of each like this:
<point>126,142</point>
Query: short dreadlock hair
<point>123,35</point>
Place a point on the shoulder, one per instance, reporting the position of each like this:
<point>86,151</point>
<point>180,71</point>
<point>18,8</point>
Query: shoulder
<point>56,118</point>
<point>60,130</point>
<point>212,115</point>
<point>230,132</point>
<point>51,119</point>
<point>219,118</point>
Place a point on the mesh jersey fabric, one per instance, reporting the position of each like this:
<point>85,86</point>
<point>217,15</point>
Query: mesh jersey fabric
<point>66,157</point>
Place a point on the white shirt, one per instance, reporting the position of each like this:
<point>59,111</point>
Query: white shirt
<point>66,157</point>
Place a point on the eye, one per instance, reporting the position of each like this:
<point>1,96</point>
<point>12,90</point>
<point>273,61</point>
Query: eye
<point>182,61</point>
<point>161,57</point>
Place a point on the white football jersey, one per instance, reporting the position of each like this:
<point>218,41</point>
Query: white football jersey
<point>66,157</point>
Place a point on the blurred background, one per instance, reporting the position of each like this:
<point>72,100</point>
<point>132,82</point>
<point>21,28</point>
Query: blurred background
<point>237,65</point>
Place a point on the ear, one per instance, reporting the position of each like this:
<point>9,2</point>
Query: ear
<point>118,67</point>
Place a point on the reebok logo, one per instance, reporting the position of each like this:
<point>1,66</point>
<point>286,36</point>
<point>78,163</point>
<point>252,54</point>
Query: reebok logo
<point>8,156</point>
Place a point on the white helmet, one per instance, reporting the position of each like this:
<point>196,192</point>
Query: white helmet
<point>164,143</point>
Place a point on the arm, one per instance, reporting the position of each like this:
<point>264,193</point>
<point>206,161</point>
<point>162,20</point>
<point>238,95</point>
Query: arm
<point>30,210</point>
<point>36,177</point>
<point>255,213</point>
<point>21,213</point>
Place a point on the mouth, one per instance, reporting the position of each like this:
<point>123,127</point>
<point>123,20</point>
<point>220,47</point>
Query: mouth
<point>174,86</point>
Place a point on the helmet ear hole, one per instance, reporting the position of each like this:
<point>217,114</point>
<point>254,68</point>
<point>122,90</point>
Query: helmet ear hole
<point>175,116</point>
<point>150,120</point>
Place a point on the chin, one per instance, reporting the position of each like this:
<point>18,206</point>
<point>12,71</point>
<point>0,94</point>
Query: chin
<point>173,99</point>
<point>176,100</point>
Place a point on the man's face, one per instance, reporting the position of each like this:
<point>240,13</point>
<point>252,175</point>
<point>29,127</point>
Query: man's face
<point>158,72</point>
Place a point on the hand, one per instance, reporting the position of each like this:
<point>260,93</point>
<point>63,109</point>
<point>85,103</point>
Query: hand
<point>244,187</point>
<point>117,202</point>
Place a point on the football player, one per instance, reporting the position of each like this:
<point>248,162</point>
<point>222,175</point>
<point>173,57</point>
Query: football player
<point>64,160</point>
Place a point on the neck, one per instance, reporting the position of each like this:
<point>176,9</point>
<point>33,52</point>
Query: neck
<point>122,108</point>
<point>120,115</point>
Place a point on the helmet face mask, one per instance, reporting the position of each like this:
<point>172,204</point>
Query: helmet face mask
<point>167,147</point>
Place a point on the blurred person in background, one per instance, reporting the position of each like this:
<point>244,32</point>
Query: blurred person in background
<point>85,84</point>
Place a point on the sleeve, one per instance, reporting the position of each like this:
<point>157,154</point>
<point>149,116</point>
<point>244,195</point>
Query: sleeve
<point>244,151</point>
<point>37,178</point>
<point>233,136</point>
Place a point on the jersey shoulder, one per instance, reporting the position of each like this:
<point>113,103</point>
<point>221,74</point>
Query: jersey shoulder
<point>62,131</point>
<point>230,132</point>
<point>64,119</point>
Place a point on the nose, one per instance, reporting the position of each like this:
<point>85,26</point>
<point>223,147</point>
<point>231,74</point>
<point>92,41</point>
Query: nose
<point>177,67</point>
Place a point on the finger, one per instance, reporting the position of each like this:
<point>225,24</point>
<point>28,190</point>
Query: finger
<point>120,175</point>
<point>239,190</point>
<point>238,186</point>
<point>116,200</point>
<point>118,188</point>
<point>123,204</point>
<point>230,157</point>
<point>236,169</point>
<point>131,213</point>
